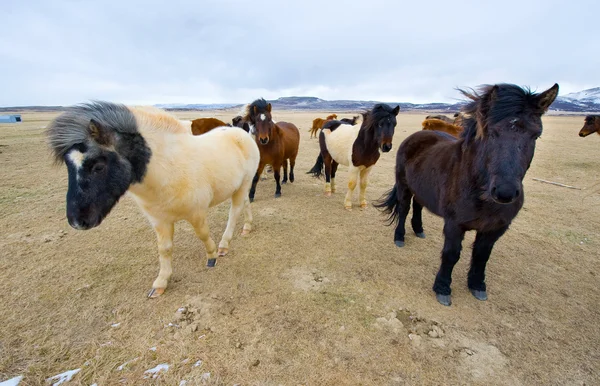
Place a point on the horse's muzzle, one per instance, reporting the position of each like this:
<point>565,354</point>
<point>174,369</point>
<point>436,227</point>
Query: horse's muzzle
<point>386,147</point>
<point>264,141</point>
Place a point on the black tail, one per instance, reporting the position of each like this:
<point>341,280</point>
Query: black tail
<point>317,170</point>
<point>388,204</point>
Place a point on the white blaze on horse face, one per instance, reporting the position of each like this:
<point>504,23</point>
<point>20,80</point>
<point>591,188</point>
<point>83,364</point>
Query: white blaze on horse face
<point>76,157</point>
<point>263,117</point>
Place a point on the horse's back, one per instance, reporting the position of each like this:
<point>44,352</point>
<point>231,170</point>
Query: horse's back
<point>418,144</point>
<point>291,138</point>
<point>204,125</point>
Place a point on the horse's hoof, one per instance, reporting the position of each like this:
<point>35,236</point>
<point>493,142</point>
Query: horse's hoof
<point>251,199</point>
<point>211,262</point>
<point>222,252</point>
<point>245,232</point>
<point>327,194</point>
<point>444,300</point>
<point>399,243</point>
<point>348,208</point>
<point>479,295</point>
<point>363,205</point>
<point>277,195</point>
<point>155,292</point>
<point>283,182</point>
<point>420,235</point>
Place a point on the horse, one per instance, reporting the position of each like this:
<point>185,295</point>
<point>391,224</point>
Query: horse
<point>110,149</point>
<point>439,125</point>
<point>458,119</point>
<point>204,125</point>
<point>474,182</point>
<point>277,142</point>
<point>238,121</point>
<point>441,117</point>
<point>350,121</point>
<point>591,125</point>
<point>356,147</point>
<point>318,123</point>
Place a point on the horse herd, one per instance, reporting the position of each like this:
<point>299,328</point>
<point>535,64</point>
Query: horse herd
<point>468,170</point>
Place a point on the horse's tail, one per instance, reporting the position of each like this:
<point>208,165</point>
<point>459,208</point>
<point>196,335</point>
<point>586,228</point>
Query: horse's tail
<point>388,204</point>
<point>317,170</point>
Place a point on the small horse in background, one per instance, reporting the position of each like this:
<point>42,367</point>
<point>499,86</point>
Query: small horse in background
<point>111,149</point>
<point>277,142</point>
<point>204,125</point>
<point>441,117</point>
<point>474,182</point>
<point>356,147</point>
<point>349,121</point>
<point>238,121</point>
<point>318,123</point>
<point>459,118</point>
<point>439,125</point>
<point>591,125</point>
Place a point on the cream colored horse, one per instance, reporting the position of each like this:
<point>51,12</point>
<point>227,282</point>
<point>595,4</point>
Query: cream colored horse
<point>171,174</point>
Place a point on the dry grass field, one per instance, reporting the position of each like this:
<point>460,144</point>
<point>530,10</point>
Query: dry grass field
<point>315,295</point>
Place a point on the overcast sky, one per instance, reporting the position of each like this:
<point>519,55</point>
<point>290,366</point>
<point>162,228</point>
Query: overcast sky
<point>145,52</point>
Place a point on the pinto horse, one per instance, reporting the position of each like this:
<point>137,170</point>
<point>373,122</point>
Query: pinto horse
<point>350,121</point>
<point>277,142</point>
<point>591,125</point>
<point>356,147</point>
<point>440,125</point>
<point>111,149</point>
<point>318,124</point>
<point>474,182</point>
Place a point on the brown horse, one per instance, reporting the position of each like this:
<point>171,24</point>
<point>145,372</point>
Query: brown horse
<point>474,182</point>
<point>204,125</point>
<point>318,124</point>
<point>441,117</point>
<point>277,142</point>
<point>439,125</point>
<point>349,121</point>
<point>591,125</point>
<point>356,147</point>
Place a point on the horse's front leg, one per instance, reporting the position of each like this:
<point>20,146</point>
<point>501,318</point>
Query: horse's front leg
<point>453,237</point>
<point>164,235</point>
<point>334,166</point>
<point>364,181</point>
<point>285,172</point>
<point>482,248</point>
<point>277,175</point>
<point>259,171</point>
<point>352,179</point>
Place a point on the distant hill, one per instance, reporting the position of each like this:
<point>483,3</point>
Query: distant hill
<point>582,101</point>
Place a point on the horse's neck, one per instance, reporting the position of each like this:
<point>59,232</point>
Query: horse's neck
<point>366,142</point>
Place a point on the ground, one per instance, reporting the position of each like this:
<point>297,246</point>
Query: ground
<point>315,295</point>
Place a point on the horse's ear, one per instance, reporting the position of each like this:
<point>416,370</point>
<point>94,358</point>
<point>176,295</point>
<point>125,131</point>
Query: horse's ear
<point>255,110</point>
<point>396,110</point>
<point>545,99</point>
<point>268,107</point>
<point>246,127</point>
<point>99,133</point>
<point>483,110</point>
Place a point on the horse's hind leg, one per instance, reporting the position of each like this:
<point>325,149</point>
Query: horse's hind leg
<point>285,173</point>
<point>417,219</point>
<point>292,164</point>
<point>203,233</point>
<point>164,236</point>
<point>403,201</point>
<point>453,237</point>
<point>259,171</point>
<point>237,205</point>
<point>327,166</point>
<point>334,166</point>
<point>364,181</point>
<point>482,248</point>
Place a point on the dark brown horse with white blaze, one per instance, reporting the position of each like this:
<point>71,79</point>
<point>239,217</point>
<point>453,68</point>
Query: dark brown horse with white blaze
<point>473,182</point>
<point>356,147</point>
<point>277,142</point>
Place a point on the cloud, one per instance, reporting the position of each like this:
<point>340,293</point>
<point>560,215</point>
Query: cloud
<point>65,52</point>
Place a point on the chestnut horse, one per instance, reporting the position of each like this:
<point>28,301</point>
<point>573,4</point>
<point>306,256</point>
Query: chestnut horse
<point>318,124</point>
<point>355,147</point>
<point>474,182</point>
<point>111,149</point>
<point>204,125</point>
<point>439,125</point>
<point>441,117</point>
<point>591,125</point>
<point>277,142</point>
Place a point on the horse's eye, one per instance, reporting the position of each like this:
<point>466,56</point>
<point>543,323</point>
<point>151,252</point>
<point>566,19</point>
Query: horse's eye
<point>99,167</point>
